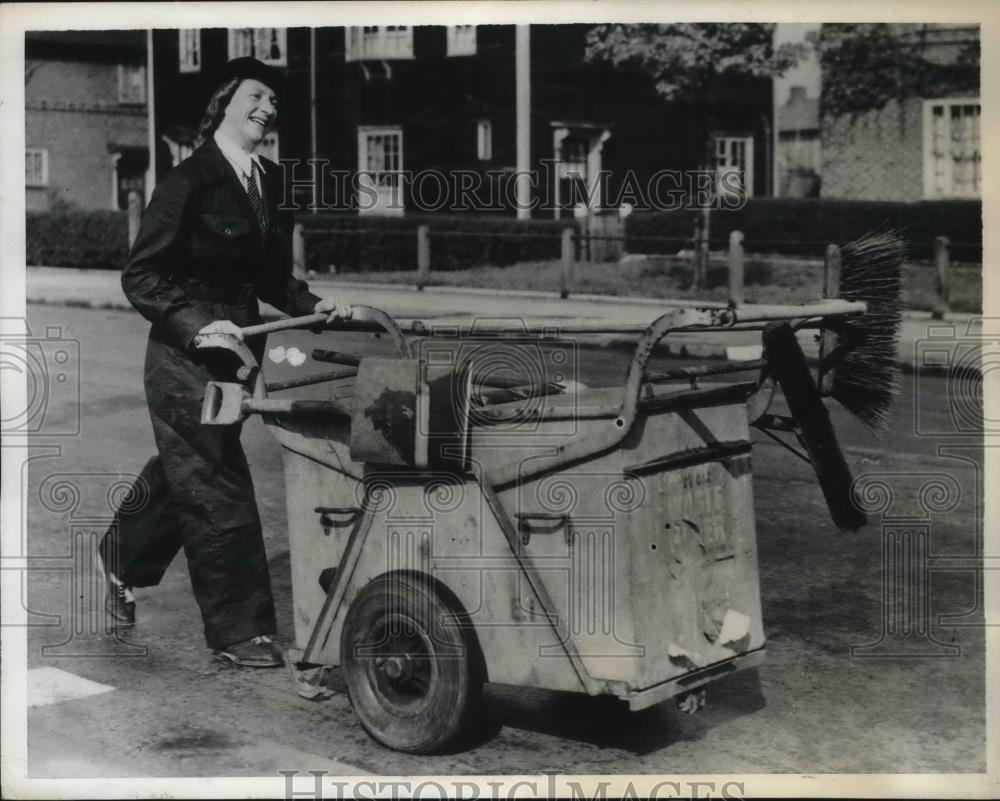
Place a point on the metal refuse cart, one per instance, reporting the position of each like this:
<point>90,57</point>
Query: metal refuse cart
<point>449,527</point>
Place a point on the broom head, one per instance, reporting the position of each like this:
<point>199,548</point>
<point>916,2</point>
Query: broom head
<point>867,380</point>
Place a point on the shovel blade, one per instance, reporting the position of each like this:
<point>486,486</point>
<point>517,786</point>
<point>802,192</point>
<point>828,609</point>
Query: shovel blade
<point>223,403</point>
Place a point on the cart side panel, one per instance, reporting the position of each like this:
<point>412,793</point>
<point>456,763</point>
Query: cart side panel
<point>449,533</point>
<point>653,550</point>
<point>314,547</point>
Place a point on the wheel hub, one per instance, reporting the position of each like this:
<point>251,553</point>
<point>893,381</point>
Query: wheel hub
<point>397,668</point>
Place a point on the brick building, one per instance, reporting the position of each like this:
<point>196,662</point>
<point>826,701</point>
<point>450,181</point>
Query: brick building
<point>398,100</point>
<point>917,147</point>
<point>85,118</point>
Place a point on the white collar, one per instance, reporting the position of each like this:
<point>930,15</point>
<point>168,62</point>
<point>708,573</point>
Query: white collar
<point>241,160</point>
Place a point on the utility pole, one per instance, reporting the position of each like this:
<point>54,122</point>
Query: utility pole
<point>522,57</point>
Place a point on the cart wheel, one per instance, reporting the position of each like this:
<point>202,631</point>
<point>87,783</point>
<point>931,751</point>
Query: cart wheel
<point>412,668</point>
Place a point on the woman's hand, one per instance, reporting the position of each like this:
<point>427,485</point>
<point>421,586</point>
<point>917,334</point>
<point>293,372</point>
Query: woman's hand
<point>222,327</point>
<point>336,307</point>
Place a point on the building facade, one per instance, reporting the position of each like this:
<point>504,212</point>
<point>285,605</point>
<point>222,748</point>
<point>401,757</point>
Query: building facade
<point>86,130</point>
<point>404,118</point>
<point>923,145</point>
<point>800,161</point>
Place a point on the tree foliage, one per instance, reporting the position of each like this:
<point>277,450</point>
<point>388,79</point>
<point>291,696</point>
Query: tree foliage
<point>865,65</point>
<point>685,59</point>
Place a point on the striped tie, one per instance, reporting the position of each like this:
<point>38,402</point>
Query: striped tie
<point>254,194</point>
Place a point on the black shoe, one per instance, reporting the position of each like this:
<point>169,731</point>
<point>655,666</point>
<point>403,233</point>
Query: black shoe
<point>118,600</point>
<point>259,652</point>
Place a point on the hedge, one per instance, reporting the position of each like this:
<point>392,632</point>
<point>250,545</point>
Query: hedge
<point>92,239</point>
<point>350,243</point>
<point>805,227</point>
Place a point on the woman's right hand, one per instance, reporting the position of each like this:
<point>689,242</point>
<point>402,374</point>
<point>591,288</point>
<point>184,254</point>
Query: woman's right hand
<point>222,327</point>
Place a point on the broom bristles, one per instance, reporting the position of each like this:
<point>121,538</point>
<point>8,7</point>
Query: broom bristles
<point>867,381</point>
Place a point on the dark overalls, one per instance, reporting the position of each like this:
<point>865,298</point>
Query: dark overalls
<point>200,256</point>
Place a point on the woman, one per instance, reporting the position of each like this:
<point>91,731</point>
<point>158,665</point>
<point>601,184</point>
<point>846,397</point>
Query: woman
<point>211,242</point>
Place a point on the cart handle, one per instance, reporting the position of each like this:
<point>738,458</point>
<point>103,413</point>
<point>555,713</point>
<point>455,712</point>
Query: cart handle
<point>362,318</point>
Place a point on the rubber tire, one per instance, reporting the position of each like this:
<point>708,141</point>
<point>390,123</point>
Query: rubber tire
<point>454,694</point>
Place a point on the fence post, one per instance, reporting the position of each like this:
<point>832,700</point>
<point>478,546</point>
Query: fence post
<point>566,278</point>
<point>423,255</point>
<point>828,339</point>
<point>736,268</point>
<point>134,215</point>
<point>700,253</point>
<point>942,269</point>
<point>298,252</point>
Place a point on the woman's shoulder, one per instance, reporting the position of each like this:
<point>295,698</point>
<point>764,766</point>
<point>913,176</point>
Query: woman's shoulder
<point>201,168</point>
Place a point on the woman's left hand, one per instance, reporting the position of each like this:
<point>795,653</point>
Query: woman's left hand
<point>336,307</point>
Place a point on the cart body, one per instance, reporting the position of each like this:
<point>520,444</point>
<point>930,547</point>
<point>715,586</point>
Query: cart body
<point>631,573</point>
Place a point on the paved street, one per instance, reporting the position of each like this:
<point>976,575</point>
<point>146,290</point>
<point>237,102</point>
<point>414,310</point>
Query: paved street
<point>164,708</point>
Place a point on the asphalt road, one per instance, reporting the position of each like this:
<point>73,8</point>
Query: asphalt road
<point>812,707</point>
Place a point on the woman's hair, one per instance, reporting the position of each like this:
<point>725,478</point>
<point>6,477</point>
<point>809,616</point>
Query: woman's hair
<point>216,109</point>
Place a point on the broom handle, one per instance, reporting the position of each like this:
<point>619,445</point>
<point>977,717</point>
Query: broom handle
<point>823,308</point>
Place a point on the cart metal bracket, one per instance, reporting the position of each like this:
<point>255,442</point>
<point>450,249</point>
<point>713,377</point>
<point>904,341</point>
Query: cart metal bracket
<point>562,522</point>
<point>320,635</point>
<point>590,684</point>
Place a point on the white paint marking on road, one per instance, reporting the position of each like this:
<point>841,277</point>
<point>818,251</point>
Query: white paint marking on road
<point>49,685</point>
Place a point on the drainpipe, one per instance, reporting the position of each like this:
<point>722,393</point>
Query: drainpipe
<point>522,56</point>
<point>150,118</point>
<point>314,206</point>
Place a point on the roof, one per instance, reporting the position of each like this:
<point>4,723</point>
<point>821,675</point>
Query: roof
<point>86,43</point>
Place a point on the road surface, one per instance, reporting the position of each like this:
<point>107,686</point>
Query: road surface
<point>156,704</point>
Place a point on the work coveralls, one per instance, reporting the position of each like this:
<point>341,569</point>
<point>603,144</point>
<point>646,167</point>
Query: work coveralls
<point>200,256</point>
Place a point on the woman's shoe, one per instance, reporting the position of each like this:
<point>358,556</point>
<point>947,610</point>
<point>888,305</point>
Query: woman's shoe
<point>258,652</point>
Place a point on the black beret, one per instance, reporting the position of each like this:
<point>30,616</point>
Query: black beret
<point>248,67</point>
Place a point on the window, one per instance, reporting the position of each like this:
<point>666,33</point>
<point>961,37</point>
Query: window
<point>378,41</point>
<point>36,167</point>
<point>180,149</point>
<point>265,44</point>
<point>380,170</point>
<point>734,165</point>
<point>953,165</point>
<point>461,40</point>
<point>484,140</point>
<point>132,84</point>
<point>189,50</point>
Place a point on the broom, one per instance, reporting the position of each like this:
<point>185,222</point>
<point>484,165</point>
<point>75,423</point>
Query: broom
<point>867,380</point>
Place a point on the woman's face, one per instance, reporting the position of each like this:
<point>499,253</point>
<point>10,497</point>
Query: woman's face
<point>250,114</point>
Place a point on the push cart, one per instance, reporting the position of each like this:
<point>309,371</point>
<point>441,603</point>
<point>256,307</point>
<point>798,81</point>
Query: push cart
<point>450,526</point>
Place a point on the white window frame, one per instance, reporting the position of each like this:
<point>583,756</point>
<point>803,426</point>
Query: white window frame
<point>931,191</point>
<point>461,40</point>
<point>43,179</point>
<point>383,42</point>
<point>139,98</point>
<point>727,143</point>
<point>388,184</point>
<point>254,41</point>
<point>189,50</point>
<point>484,140</point>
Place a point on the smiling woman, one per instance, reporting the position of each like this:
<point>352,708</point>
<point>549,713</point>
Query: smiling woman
<point>212,241</point>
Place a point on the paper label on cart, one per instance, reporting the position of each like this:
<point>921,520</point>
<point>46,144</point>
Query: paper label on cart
<point>735,626</point>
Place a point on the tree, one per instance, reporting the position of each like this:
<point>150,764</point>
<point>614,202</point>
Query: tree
<point>687,62</point>
<point>865,65</point>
